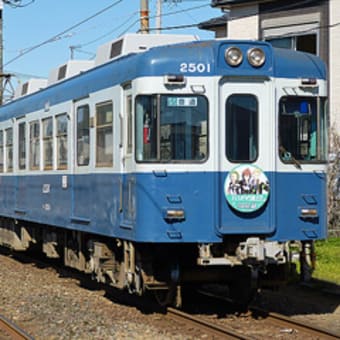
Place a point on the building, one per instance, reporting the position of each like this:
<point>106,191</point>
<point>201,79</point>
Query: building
<point>307,25</point>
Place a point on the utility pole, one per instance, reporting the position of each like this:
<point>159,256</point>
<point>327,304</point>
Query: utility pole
<point>159,16</point>
<point>144,16</point>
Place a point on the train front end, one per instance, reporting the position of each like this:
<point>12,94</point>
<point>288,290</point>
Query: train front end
<point>231,150</point>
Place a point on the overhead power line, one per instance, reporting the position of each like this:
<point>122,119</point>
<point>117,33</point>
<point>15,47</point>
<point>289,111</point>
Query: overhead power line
<point>18,3</point>
<point>62,33</point>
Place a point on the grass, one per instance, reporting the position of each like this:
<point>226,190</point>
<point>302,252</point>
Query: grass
<point>328,260</point>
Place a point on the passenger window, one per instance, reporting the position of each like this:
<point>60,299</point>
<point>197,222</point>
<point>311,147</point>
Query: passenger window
<point>1,151</point>
<point>9,150</point>
<point>47,143</point>
<point>22,146</point>
<point>61,136</point>
<point>104,135</point>
<point>34,145</point>
<point>83,135</point>
<point>171,128</point>
<point>242,128</point>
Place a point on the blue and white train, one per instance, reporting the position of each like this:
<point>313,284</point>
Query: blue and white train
<point>169,162</point>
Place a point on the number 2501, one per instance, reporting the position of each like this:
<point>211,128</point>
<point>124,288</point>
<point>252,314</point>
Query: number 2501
<point>193,67</point>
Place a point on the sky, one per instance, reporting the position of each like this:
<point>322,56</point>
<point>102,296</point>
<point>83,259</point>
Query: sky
<point>43,26</point>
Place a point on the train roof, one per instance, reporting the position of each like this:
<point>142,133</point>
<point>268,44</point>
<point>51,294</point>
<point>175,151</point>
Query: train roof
<point>164,60</point>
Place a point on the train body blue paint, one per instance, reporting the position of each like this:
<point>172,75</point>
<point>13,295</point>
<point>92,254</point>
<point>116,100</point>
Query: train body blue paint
<point>162,166</point>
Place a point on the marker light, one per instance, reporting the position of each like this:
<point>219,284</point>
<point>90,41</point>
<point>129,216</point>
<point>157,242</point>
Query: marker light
<point>174,79</point>
<point>233,56</point>
<point>174,214</point>
<point>309,82</point>
<point>256,57</point>
<point>307,212</point>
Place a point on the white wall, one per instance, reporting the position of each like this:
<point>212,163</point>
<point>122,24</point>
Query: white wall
<point>334,63</point>
<point>246,23</point>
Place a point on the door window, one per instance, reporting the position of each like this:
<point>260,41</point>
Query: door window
<point>242,128</point>
<point>83,135</point>
<point>104,135</point>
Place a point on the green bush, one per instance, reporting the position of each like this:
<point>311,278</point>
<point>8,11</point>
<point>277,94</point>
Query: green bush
<point>328,260</point>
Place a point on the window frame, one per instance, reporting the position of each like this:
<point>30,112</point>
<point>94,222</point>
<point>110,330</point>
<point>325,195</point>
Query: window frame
<point>86,161</point>
<point>47,139</point>
<point>106,126</point>
<point>257,119</point>
<point>294,41</point>
<point>156,104</point>
<point>34,141</point>
<point>22,146</point>
<point>9,146</point>
<point>59,135</point>
<point>321,145</point>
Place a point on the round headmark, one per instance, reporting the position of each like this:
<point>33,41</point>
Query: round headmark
<point>246,188</point>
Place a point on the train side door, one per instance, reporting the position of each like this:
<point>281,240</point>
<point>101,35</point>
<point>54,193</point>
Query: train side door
<point>81,183</point>
<point>247,156</point>
<point>128,179</point>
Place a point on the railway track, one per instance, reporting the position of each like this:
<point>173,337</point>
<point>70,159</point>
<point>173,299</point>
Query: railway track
<point>211,329</point>
<point>282,323</point>
<point>217,331</point>
<point>10,331</point>
<point>293,326</point>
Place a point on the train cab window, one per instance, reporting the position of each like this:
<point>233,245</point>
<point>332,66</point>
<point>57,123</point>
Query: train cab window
<point>171,128</point>
<point>303,127</point>
<point>1,151</point>
<point>61,137</point>
<point>9,150</point>
<point>47,126</point>
<point>34,145</point>
<point>22,146</point>
<point>83,135</point>
<point>104,135</point>
<point>242,128</point>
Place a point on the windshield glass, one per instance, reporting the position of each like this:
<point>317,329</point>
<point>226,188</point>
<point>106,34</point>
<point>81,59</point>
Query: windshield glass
<point>302,129</point>
<point>171,128</point>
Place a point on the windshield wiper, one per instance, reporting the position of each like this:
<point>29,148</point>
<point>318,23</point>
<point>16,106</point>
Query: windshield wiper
<point>288,156</point>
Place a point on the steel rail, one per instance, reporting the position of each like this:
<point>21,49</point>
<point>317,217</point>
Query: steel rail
<point>284,321</point>
<point>210,328</point>
<point>289,322</point>
<point>13,331</point>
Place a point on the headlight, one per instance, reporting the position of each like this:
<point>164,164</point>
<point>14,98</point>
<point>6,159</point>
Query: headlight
<point>256,57</point>
<point>233,56</point>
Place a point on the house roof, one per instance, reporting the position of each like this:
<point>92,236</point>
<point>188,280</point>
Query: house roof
<point>214,22</point>
<point>218,3</point>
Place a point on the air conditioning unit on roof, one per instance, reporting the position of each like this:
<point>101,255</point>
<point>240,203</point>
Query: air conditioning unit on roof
<point>30,86</point>
<point>69,69</point>
<point>136,43</point>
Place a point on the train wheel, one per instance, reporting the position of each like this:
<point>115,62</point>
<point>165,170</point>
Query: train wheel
<point>241,294</point>
<point>243,290</point>
<point>169,297</point>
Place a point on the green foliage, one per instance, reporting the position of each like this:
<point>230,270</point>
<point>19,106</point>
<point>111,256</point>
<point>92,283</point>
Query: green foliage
<point>333,183</point>
<point>328,260</point>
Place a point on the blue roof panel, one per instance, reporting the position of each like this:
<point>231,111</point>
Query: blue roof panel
<point>200,58</point>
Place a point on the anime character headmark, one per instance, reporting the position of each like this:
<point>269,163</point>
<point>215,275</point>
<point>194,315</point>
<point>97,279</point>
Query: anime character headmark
<point>234,187</point>
<point>245,182</point>
<point>257,185</point>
